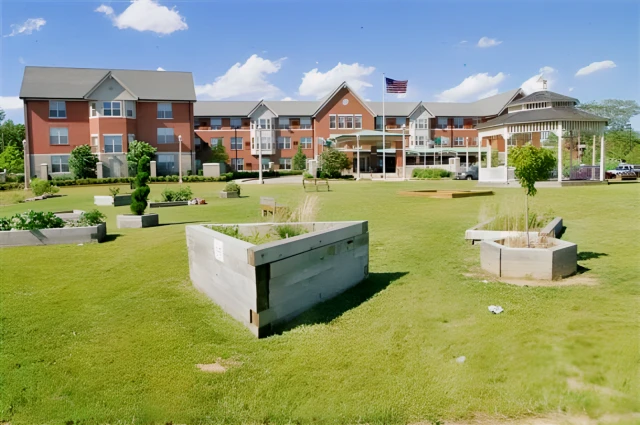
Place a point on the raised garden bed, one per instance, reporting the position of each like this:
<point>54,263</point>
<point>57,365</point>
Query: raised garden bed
<point>447,194</point>
<point>168,204</point>
<point>264,284</point>
<point>116,201</point>
<point>557,260</point>
<point>224,194</point>
<point>478,232</point>
<point>132,221</point>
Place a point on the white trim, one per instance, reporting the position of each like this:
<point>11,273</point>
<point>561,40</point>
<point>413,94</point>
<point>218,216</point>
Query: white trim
<point>104,144</point>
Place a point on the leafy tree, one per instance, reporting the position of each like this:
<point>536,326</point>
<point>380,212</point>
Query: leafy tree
<point>12,159</point>
<point>82,162</point>
<point>633,157</point>
<point>532,164</point>
<point>141,193</point>
<point>137,150</point>
<point>617,111</point>
<point>299,160</point>
<point>333,162</point>
<point>11,135</point>
<point>218,154</point>
<point>2,115</point>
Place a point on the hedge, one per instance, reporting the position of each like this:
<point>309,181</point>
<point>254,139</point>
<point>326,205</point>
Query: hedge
<point>430,173</point>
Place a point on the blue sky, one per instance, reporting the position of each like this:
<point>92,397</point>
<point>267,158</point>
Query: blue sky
<point>292,49</point>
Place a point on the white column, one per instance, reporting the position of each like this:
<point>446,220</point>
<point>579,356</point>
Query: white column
<point>479,154</point>
<point>467,148</point>
<point>259,134</point>
<point>560,152</point>
<point>593,153</point>
<point>358,153</point>
<point>602,157</point>
<point>506,155</point>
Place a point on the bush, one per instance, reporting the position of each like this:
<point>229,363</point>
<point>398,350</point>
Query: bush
<point>199,172</point>
<point>12,159</point>
<point>40,187</point>
<point>307,175</point>
<point>299,161</point>
<point>140,195</point>
<point>138,149</point>
<point>114,191</point>
<point>31,220</point>
<point>290,172</point>
<point>232,187</point>
<point>333,162</point>
<point>182,194</point>
<point>430,173</point>
<point>285,231</point>
<point>11,186</point>
<point>82,162</point>
<point>90,218</point>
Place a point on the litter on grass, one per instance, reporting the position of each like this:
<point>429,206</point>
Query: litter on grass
<point>495,309</point>
<point>461,359</point>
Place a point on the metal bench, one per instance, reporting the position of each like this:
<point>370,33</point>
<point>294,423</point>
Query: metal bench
<point>313,182</point>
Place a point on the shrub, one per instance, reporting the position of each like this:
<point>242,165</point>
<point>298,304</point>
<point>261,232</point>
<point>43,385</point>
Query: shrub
<point>333,162</point>
<point>40,187</point>
<point>137,150</point>
<point>182,194</point>
<point>82,162</point>
<point>11,186</point>
<point>285,231</point>
<point>114,191</point>
<point>307,175</point>
<point>32,220</point>
<point>232,187</point>
<point>140,195</point>
<point>12,159</point>
<point>430,173</point>
<point>199,172</point>
<point>90,218</point>
<point>299,161</point>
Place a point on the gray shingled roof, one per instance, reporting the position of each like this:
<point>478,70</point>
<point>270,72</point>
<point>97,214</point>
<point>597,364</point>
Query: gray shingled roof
<point>221,108</point>
<point>293,108</point>
<point>393,109</point>
<point>544,96</point>
<point>480,108</point>
<point>538,115</point>
<point>74,83</point>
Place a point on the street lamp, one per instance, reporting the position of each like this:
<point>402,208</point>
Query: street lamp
<point>26,164</point>
<point>180,158</point>
<point>404,155</point>
<point>235,139</point>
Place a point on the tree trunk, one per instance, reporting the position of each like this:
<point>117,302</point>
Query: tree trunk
<point>526,218</point>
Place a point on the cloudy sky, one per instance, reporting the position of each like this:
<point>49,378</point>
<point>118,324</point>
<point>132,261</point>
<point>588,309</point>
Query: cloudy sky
<point>279,49</point>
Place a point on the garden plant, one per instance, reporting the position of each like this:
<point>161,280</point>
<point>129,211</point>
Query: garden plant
<point>141,193</point>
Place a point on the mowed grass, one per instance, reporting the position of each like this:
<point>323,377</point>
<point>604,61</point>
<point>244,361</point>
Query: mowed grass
<point>111,333</point>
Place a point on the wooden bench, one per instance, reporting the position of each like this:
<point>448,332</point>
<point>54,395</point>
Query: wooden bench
<point>315,182</point>
<point>269,205</point>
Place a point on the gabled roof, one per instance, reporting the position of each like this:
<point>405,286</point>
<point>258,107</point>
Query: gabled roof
<point>76,83</point>
<point>538,115</point>
<point>102,80</point>
<point>486,107</point>
<point>293,108</point>
<point>224,108</point>
<point>393,109</point>
<point>544,96</point>
<point>344,85</point>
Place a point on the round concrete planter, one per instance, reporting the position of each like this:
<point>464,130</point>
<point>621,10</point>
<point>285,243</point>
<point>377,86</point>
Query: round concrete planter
<point>132,221</point>
<point>224,194</point>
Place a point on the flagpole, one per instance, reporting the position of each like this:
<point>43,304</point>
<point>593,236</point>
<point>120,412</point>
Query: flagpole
<point>384,130</point>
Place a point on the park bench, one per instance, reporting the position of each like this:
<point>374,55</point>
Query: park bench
<point>269,206</point>
<point>317,183</point>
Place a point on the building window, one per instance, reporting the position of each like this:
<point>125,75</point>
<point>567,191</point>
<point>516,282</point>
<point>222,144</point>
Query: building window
<point>216,123</point>
<point>283,123</point>
<point>236,143</point>
<point>475,141</point>
<point>400,121</point>
<point>58,136</point>
<point>236,122</point>
<point>94,141</point>
<point>444,141</point>
<point>306,142</point>
<point>458,141</point>
<point>265,163</point>
<point>264,141</point>
<point>458,122</point>
<point>237,164</point>
<point>378,123</point>
<point>165,135</point>
<point>166,164</point>
<point>421,123</point>
<point>265,123</point>
<point>443,122</point>
<point>129,109</point>
<point>284,142</point>
<point>112,109</point>
<point>131,138</point>
<point>349,119</point>
<point>357,119</point>
<point>113,143</point>
<point>165,111</point>
<point>60,163</point>
<point>285,163</point>
<point>57,109</point>
<point>332,121</point>
<point>215,141</point>
<point>92,109</point>
<point>342,121</point>
<point>419,140</point>
<point>305,123</point>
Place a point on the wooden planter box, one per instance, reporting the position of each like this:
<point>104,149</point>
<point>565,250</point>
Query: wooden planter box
<point>554,228</point>
<point>263,285</point>
<point>168,204</point>
<point>224,194</point>
<point>132,221</point>
<point>65,235</point>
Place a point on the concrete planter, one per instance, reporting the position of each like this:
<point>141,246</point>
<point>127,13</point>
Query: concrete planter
<point>103,200</point>
<point>116,201</point>
<point>224,194</point>
<point>554,228</point>
<point>263,285</point>
<point>65,235</point>
<point>553,263</point>
<point>168,204</point>
<point>132,221</point>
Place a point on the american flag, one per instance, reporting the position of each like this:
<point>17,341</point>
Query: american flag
<point>395,86</point>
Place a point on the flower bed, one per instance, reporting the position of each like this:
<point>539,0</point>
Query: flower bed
<point>488,230</point>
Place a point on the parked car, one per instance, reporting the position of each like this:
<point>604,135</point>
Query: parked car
<point>624,169</point>
<point>470,174</point>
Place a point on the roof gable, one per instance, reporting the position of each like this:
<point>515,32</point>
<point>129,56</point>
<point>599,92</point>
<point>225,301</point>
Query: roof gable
<point>325,101</point>
<point>102,84</point>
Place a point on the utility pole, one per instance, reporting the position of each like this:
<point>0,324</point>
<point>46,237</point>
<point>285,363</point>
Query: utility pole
<point>180,157</point>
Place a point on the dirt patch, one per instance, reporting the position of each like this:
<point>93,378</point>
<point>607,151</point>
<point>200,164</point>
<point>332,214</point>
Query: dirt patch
<point>555,419</point>
<point>578,385</point>
<point>220,366</point>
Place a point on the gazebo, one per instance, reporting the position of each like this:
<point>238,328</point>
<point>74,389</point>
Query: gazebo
<point>532,119</point>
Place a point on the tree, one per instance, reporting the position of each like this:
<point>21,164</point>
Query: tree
<point>218,154</point>
<point>11,135</point>
<point>299,160</point>
<point>617,111</point>
<point>141,193</point>
<point>2,115</point>
<point>12,159</point>
<point>532,164</point>
<point>333,162</point>
<point>137,150</point>
<point>633,157</point>
<point>82,162</point>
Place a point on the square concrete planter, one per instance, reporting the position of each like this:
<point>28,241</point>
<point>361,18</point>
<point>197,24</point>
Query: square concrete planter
<point>132,221</point>
<point>103,201</point>
<point>65,235</point>
<point>553,263</point>
<point>264,285</point>
<point>168,204</point>
<point>224,194</point>
<point>116,201</point>
<point>476,233</point>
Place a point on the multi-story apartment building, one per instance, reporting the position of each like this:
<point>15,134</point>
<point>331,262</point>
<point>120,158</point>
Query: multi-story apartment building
<point>434,131</point>
<point>107,109</point>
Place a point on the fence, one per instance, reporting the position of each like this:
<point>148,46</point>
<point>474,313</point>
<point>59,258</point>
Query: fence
<point>585,172</point>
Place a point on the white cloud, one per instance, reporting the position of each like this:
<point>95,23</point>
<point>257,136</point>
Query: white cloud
<point>463,42</point>
<point>318,84</point>
<point>29,26</point>
<point>21,60</point>
<point>595,66</point>
<point>287,99</point>
<point>146,15</point>
<point>490,93</point>
<point>533,84</point>
<point>472,86</point>
<point>570,89</point>
<point>488,42</point>
<point>10,102</point>
<point>160,69</point>
<point>247,79</point>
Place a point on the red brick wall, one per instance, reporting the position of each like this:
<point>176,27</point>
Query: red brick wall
<point>39,123</point>
<point>336,107</point>
<point>148,124</point>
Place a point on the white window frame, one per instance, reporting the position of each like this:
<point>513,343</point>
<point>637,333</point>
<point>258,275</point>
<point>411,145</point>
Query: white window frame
<point>440,124</point>
<point>348,121</point>
<point>104,143</point>
<point>357,122</point>
<point>215,141</point>
<point>58,136</point>
<point>458,122</point>
<point>235,141</point>
<point>111,108</point>
<point>165,111</point>
<point>129,105</point>
<point>264,123</point>
<point>265,141</point>
<point>95,140</point>
<point>306,142</point>
<point>215,123</point>
<point>130,138</point>
<point>238,122</point>
<point>159,162</point>
<point>285,163</point>
<point>163,133</point>
<point>458,141</point>
<point>421,124</point>
<point>444,141</point>
<point>342,121</point>
<point>60,163</point>
<point>305,123</point>
<point>237,164</point>
<point>284,142</point>
<point>335,121</point>
<point>54,105</point>
<point>284,123</point>
<point>93,110</point>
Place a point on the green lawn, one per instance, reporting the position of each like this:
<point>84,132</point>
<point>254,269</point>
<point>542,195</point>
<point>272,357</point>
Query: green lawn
<point>111,333</point>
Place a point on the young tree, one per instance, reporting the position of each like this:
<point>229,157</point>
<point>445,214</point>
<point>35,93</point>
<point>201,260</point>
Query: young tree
<point>82,162</point>
<point>12,159</point>
<point>141,193</point>
<point>137,150</point>
<point>299,160</point>
<point>11,135</point>
<point>617,111</point>
<point>218,154</point>
<point>333,162</point>
<point>532,164</point>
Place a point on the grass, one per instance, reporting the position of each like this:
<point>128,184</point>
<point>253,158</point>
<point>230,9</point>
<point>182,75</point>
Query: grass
<point>111,333</point>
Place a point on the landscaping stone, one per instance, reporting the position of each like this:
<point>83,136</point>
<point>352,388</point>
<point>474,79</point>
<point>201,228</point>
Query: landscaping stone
<point>65,235</point>
<point>224,194</point>
<point>132,221</point>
